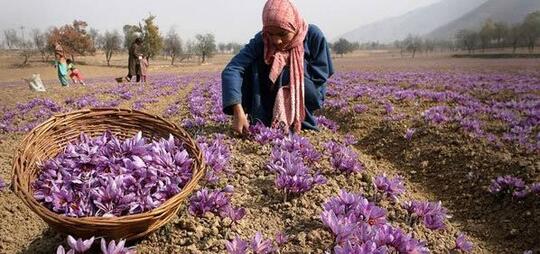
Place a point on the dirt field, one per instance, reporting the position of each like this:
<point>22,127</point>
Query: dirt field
<point>441,164</point>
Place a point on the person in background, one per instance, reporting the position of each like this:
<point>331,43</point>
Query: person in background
<point>75,75</point>
<point>135,56</point>
<point>144,69</point>
<point>61,64</point>
<point>279,77</point>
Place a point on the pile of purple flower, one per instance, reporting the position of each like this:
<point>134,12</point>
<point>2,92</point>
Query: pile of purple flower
<point>343,158</point>
<point>389,188</point>
<point>288,161</point>
<point>258,244</point>
<point>217,202</point>
<point>106,176</point>
<point>432,214</point>
<point>360,226</point>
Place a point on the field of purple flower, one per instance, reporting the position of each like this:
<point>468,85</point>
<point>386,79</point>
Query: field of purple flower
<point>405,162</point>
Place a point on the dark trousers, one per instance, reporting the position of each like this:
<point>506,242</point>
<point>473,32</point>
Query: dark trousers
<point>138,77</point>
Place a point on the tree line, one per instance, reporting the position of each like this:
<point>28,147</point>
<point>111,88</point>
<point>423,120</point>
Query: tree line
<point>501,35</point>
<point>78,39</point>
<point>525,34</point>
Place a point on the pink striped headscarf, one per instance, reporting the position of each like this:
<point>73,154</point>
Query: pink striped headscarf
<point>289,104</point>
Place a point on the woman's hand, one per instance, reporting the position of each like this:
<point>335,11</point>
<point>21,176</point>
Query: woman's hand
<point>240,121</point>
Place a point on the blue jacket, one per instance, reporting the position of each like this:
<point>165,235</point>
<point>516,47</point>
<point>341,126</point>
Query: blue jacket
<point>245,79</point>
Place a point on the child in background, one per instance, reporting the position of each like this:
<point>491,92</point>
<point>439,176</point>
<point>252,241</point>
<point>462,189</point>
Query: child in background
<point>60,64</point>
<point>75,75</point>
<point>144,67</point>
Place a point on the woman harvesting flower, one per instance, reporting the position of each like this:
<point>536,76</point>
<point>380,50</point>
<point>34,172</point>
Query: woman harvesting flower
<point>279,77</point>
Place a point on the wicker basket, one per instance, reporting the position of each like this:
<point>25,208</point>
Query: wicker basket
<point>48,139</point>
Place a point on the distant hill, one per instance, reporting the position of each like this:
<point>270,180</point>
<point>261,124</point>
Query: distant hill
<point>420,21</point>
<point>508,11</point>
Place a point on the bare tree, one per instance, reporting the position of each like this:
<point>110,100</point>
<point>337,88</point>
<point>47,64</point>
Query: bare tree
<point>429,46</point>
<point>94,34</point>
<point>40,42</point>
<point>500,33</point>
<point>531,28</point>
<point>467,39</point>
<point>111,42</point>
<point>173,45</point>
<point>413,44</point>
<point>342,47</point>
<point>236,47</point>
<point>514,37</point>
<point>189,49</point>
<point>206,46</point>
<point>11,38</point>
<point>486,34</point>
<point>399,45</point>
<point>131,32</point>
<point>222,47</point>
<point>27,50</point>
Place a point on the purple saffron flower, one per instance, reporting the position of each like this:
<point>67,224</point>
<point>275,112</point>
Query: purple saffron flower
<point>535,188</point>
<point>437,114</point>
<point>200,203</point>
<point>79,245</point>
<point>508,185</point>
<point>342,229</point>
<point>287,161</point>
<point>390,188</point>
<point>217,202</point>
<point>300,145</point>
<point>410,245</point>
<point>281,238</point>
<point>236,246</point>
<point>433,214</point>
<point>61,250</point>
<point>264,135</point>
<point>349,140</point>
<point>327,123</point>
<point>216,154</point>
<point>372,214</point>
<point>113,248</point>
<point>235,214</point>
<point>360,108</point>
<point>389,108</point>
<point>343,158</point>
<point>463,244</point>
<point>409,134</point>
<point>261,246</point>
<point>2,184</point>
<point>368,247</point>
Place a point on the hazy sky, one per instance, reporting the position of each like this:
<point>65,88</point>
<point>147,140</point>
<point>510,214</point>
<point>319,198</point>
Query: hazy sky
<point>229,20</point>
